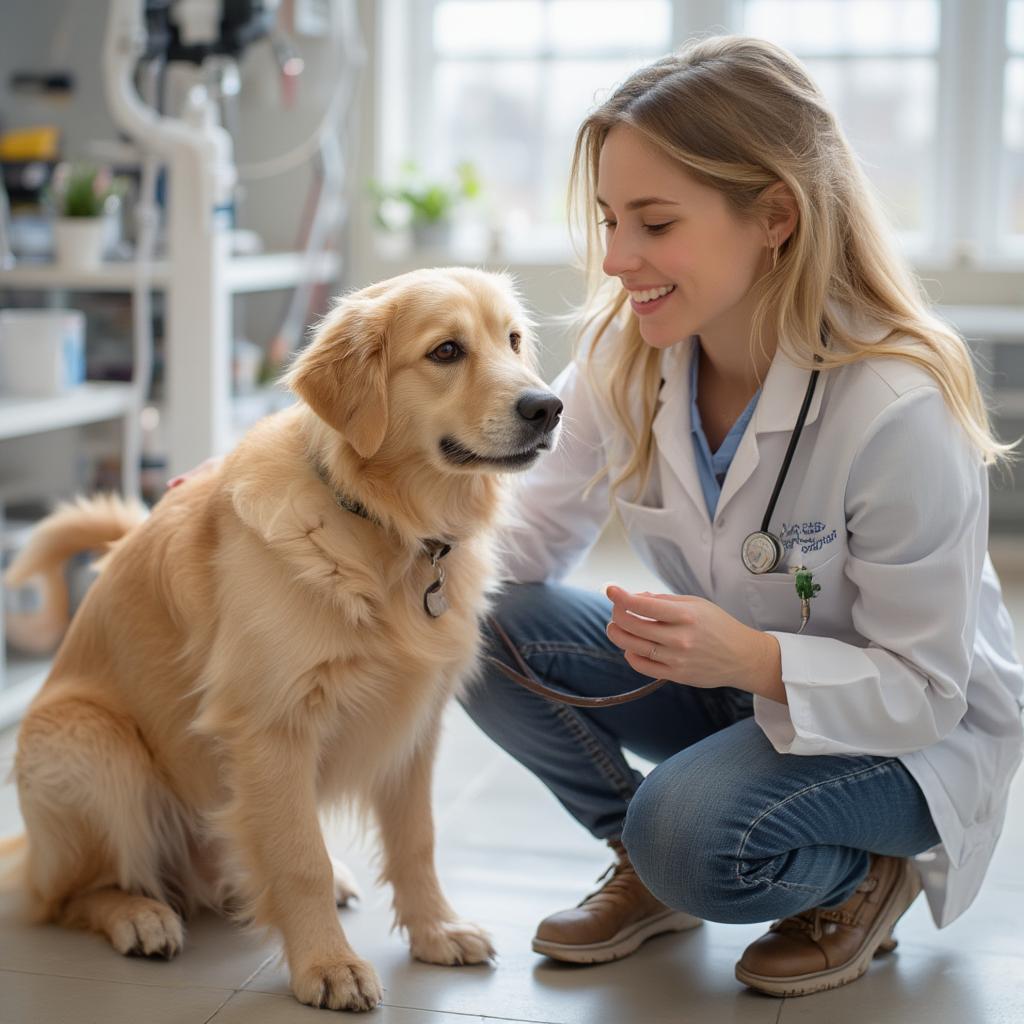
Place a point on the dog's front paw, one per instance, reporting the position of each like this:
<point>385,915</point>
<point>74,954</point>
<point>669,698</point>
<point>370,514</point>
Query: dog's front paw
<point>337,984</point>
<point>451,942</point>
<point>141,926</point>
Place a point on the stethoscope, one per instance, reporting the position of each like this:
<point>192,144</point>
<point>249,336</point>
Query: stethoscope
<point>762,551</point>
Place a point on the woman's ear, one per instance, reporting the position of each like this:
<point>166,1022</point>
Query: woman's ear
<point>780,212</point>
<point>343,374</point>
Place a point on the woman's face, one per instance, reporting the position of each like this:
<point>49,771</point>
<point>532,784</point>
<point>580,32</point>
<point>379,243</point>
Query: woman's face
<point>687,260</point>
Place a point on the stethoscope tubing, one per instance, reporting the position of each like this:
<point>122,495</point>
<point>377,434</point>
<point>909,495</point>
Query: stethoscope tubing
<point>794,438</point>
<point>528,679</point>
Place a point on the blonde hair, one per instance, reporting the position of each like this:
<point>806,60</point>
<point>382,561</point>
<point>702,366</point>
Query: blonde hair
<point>739,115</point>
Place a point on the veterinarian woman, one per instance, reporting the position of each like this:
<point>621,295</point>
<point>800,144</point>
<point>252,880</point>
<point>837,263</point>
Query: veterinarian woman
<point>815,774</point>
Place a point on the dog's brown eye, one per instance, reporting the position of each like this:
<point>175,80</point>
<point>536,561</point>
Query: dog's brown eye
<point>514,338</point>
<point>446,352</point>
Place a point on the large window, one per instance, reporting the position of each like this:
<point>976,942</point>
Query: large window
<point>877,61</point>
<point>505,84</point>
<point>929,92</point>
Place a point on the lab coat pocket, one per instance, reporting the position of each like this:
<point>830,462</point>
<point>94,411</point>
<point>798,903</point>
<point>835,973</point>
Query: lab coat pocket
<point>652,534</point>
<point>775,604</point>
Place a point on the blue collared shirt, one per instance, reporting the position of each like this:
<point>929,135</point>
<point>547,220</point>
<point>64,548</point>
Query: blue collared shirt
<point>712,468</point>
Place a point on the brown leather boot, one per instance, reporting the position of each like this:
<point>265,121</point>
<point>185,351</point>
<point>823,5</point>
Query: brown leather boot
<point>611,922</point>
<point>821,949</point>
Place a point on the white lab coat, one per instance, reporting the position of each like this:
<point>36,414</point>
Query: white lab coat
<point>887,503</point>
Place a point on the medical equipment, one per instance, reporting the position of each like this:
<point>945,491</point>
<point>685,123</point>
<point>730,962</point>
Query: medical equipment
<point>528,678</point>
<point>201,40</point>
<point>762,551</point>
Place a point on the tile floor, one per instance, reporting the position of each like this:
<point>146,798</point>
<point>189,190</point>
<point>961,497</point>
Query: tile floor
<point>508,856</point>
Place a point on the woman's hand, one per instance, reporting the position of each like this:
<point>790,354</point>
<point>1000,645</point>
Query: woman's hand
<point>694,642</point>
<point>207,466</point>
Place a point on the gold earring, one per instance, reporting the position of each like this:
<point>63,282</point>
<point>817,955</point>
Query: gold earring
<point>775,256</point>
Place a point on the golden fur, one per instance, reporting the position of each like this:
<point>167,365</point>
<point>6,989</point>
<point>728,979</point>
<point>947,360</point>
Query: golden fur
<point>252,652</point>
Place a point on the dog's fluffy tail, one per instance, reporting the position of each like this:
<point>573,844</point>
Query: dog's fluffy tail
<point>83,525</point>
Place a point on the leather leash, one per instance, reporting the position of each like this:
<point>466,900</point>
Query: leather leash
<point>534,685</point>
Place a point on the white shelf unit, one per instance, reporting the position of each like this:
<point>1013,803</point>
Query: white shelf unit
<point>92,402</point>
<point>244,274</point>
<point>198,406</point>
<point>200,409</point>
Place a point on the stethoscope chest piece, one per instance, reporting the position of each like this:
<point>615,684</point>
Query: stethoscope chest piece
<point>761,552</point>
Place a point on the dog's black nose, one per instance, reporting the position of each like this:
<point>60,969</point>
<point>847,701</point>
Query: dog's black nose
<point>540,408</point>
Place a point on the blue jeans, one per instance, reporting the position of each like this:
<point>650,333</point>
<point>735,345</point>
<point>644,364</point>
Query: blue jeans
<point>724,827</point>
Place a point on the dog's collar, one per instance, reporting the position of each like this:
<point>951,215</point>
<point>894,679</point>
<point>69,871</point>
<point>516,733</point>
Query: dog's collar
<point>345,502</point>
<point>434,601</point>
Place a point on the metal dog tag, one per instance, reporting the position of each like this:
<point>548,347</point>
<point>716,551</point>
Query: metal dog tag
<point>434,601</point>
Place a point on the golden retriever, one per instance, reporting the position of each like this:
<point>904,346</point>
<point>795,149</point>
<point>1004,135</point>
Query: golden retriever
<point>283,633</point>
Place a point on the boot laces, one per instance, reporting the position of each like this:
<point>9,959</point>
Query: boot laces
<point>809,921</point>
<point>813,921</point>
<point>622,881</point>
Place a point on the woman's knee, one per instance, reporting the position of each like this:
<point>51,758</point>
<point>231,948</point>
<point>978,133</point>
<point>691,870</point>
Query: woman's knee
<point>682,833</point>
<point>664,834</point>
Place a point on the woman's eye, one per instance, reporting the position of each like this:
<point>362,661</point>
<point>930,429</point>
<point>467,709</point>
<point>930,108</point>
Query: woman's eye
<point>514,339</point>
<point>606,223</point>
<point>656,228</point>
<point>446,352</point>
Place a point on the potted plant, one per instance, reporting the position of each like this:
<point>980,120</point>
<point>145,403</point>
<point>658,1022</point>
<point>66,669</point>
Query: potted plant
<point>83,195</point>
<point>422,204</point>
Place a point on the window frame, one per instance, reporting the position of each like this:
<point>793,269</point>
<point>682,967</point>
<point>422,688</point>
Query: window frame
<point>1013,246</point>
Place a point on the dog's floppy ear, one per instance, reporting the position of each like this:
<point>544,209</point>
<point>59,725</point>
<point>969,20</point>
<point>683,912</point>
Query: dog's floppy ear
<point>342,375</point>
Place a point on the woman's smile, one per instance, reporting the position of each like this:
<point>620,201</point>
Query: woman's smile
<point>649,300</point>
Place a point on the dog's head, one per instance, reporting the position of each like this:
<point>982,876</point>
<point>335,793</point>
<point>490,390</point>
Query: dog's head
<point>439,362</point>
